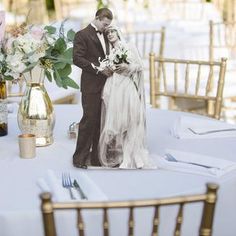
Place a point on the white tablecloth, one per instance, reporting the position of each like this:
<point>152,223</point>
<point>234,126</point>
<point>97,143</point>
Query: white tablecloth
<point>19,200</point>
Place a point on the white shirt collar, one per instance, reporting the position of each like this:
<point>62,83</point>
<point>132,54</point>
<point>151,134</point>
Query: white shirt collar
<point>94,26</point>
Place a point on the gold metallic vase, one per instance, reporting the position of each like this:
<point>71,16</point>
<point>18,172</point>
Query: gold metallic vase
<point>36,114</point>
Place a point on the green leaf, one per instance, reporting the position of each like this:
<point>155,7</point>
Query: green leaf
<point>8,77</point>
<point>64,84</point>
<point>65,71</point>
<point>50,29</point>
<point>57,78</point>
<point>71,83</point>
<point>49,76</point>
<point>71,35</point>
<point>68,53</point>
<point>60,65</point>
<point>60,45</point>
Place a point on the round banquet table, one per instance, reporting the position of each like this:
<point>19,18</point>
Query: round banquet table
<point>19,200</point>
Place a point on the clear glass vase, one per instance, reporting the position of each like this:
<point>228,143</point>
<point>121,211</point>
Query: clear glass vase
<point>36,114</point>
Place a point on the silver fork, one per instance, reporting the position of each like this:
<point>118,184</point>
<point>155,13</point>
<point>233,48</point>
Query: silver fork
<point>67,183</point>
<point>212,131</point>
<point>169,157</point>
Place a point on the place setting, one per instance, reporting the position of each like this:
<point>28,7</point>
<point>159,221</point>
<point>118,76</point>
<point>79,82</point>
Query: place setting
<point>195,163</point>
<point>70,187</point>
<point>189,127</point>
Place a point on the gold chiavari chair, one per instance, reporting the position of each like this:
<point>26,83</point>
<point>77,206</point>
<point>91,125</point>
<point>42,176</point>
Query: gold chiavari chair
<point>227,9</point>
<point>63,8</point>
<point>222,42</point>
<point>222,38</point>
<point>209,199</point>
<point>189,80</point>
<point>75,9</point>
<point>182,9</point>
<point>34,11</point>
<point>15,89</point>
<point>147,41</point>
<point>38,13</point>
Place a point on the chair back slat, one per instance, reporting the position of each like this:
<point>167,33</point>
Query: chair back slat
<point>131,222</point>
<point>209,199</point>
<point>144,43</point>
<point>80,224</point>
<point>152,80</point>
<point>179,220</point>
<point>176,77</point>
<point>186,78</point>
<point>198,80</point>
<point>209,81</point>
<point>105,222</point>
<point>164,76</point>
<point>156,222</point>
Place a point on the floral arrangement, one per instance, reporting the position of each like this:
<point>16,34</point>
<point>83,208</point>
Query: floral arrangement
<point>118,55</point>
<point>27,46</point>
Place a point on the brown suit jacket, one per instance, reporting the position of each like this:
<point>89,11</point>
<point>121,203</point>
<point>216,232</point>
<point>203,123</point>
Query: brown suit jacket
<point>87,49</point>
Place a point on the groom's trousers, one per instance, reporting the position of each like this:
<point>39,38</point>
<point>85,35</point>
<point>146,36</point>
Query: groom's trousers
<point>89,130</point>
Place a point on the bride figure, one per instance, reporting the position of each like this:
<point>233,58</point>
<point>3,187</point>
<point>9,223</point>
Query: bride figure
<point>123,122</point>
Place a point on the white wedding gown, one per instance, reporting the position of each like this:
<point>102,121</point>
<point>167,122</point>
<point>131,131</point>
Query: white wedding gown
<point>123,122</point>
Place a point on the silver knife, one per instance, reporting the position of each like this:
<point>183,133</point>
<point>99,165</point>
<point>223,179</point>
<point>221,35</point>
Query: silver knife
<point>212,131</point>
<point>78,188</point>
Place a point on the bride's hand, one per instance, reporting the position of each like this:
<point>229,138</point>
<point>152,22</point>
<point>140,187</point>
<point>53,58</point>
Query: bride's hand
<point>121,68</point>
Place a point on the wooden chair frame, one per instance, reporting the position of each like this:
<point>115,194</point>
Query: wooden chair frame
<point>209,199</point>
<point>158,71</point>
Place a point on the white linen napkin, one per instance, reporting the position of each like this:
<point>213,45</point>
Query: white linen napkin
<point>185,163</point>
<point>51,183</point>
<point>184,124</point>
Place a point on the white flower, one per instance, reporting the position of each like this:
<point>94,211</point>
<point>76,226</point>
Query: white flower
<point>15,62</point>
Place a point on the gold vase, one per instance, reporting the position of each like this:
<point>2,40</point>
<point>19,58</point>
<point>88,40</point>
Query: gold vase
<point>36,114</point>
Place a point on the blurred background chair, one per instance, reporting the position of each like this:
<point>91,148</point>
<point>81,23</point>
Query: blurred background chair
<point>147,41</point>
<point>222,43</point>
<point>15,90</point>
<point>34,11</point>
<point>81,10</point>
<point>209,199</point>
<point>182,9</point>
<point>187,80</point>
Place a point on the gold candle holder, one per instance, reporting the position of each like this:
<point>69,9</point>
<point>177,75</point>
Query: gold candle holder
<point>27,145</point>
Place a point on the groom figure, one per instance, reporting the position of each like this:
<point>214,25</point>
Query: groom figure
<point>90,44</point>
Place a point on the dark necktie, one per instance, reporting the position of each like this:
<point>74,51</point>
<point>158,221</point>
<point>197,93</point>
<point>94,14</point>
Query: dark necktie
<point>98,32</point>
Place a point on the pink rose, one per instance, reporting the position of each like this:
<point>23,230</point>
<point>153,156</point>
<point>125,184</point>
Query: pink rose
<point>36,32</point>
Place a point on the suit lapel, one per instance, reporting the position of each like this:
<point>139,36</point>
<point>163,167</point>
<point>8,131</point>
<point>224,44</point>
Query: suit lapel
<point>95,39</point>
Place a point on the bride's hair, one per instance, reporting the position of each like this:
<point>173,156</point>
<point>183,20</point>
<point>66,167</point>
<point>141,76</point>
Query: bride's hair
<point>113,27</point>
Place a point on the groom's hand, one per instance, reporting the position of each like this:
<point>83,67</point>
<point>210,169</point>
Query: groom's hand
<point>107,72</point>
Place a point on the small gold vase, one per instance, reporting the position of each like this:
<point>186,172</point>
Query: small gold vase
<point>36,114</point>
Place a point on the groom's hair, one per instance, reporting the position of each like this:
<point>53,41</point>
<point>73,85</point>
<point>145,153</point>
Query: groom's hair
<point>104,12</point>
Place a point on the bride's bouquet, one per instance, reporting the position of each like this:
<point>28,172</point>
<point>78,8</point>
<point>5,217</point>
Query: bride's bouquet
<point>118,55</point>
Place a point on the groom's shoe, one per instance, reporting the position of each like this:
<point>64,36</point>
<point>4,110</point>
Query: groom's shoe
<point>82,166</point>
